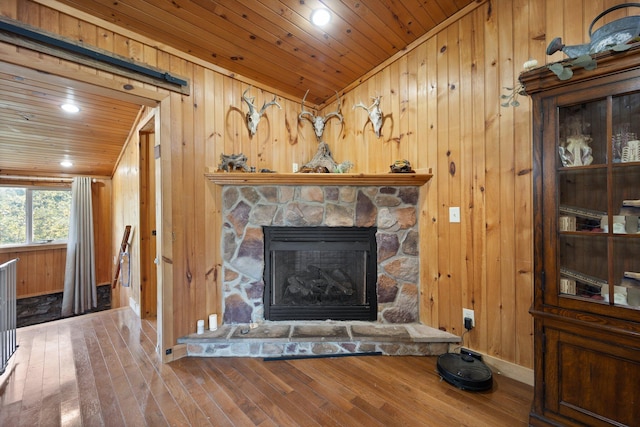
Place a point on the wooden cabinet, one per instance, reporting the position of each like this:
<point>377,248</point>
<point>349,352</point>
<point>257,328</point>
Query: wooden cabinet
<point>586,163</point>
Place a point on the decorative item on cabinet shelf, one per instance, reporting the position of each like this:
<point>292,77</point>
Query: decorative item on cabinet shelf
<point>631,152</point>
<point>581,277</point>
<point>576,151</point>
<point>567,223</point>
<point>620,143</point>
<point>582,212</point>
<point>618,224</point>
<point>631,281</point>
<point>622,224</point>
<point>619,295</point>
<point>631,203</point>
<point>567,286</point>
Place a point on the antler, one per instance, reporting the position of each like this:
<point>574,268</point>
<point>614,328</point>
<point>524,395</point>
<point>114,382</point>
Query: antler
<point>335,113</point>
<point>268,104</point>
<point>249,100</point>
<point>304,113</point>
<point>361,105</point>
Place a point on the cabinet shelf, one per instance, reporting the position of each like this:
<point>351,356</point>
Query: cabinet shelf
<point>581,168</point>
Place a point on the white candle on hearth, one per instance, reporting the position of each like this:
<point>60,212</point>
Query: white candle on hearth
<point>200,329</point>
<point>213,322</point>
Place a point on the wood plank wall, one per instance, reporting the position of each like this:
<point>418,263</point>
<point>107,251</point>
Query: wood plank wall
<point>442,111</point>
<point>441,101</point>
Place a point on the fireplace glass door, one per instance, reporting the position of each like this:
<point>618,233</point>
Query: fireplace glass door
<point>320,273</point>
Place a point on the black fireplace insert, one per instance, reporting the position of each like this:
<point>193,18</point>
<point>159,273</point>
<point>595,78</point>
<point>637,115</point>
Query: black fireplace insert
<point>320,273</point>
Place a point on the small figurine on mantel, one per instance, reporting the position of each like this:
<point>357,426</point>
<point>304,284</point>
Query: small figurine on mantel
<point>323,162</point>
<point>233,163</point>
<point>401,166</point>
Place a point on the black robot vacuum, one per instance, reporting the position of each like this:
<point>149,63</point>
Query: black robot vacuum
<point>465,371</point>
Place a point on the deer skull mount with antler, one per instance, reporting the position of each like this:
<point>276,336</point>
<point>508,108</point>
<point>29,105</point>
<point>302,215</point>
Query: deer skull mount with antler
<point>375,114</point>
<point>253,115</point>
<point>319,121</point>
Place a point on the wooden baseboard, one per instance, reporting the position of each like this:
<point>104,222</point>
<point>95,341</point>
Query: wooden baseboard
<point>506,369</point>
<point>509,370</point>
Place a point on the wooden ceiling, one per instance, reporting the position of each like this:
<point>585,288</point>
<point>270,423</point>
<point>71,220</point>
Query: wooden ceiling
<point>36,134</point>
<point>274,43</point>
<point>269,42</point>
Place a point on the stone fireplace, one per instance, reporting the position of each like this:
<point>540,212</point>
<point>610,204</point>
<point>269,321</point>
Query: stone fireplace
<point>390,210</point>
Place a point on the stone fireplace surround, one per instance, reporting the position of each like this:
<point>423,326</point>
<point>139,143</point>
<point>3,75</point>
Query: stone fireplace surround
<point>390,202</point>
<point>393,210</point>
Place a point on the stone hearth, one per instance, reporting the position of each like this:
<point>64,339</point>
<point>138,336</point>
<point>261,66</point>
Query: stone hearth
<point>307,339</point>
<point>393,210</point>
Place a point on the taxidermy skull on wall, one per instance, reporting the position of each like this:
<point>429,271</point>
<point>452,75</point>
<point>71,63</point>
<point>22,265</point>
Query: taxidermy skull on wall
<point>375,114</point>
<point>319,121</point>
<point>253,115</point>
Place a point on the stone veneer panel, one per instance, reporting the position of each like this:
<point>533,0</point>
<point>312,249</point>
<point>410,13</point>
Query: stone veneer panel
<point>393,210</point>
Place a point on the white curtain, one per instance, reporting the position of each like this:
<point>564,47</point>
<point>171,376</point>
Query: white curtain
<point>80,293</point>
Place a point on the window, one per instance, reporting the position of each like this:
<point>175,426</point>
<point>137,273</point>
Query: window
<point>33,215</point>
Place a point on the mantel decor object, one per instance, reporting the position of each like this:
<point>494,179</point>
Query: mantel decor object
<point>401,166</point>
<point>233,163</point>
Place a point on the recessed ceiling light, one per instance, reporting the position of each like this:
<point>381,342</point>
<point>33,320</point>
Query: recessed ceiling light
<point>70,108</point>
<point>66,164</point>
<point>320,17</point>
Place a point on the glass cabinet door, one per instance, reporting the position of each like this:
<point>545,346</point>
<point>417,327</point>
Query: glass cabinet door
<point>598,177</point>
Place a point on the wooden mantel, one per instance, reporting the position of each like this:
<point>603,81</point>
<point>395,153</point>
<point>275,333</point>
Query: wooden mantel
<point>351,179</point>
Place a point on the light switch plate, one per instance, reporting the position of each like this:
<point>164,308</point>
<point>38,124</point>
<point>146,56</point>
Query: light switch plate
<point>454,214</point>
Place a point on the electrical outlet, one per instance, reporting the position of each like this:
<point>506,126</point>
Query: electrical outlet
<point>454,214</point>
<point>467,312</point>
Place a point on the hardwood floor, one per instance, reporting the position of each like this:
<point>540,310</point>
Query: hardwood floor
<point>101,370</point>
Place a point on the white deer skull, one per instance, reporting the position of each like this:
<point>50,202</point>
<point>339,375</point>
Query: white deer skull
<point>375,114</point>
<point>254,116</point>
<point>319,121</point>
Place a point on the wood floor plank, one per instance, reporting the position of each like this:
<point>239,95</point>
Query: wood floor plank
<point>216,393</point>
<point>193,383</point>
<point>101,370</point>
<point>109,407</point>
<point>288,400</point>
<point>249,393</point>
<point>339,393</point>
<point>89,401</point>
